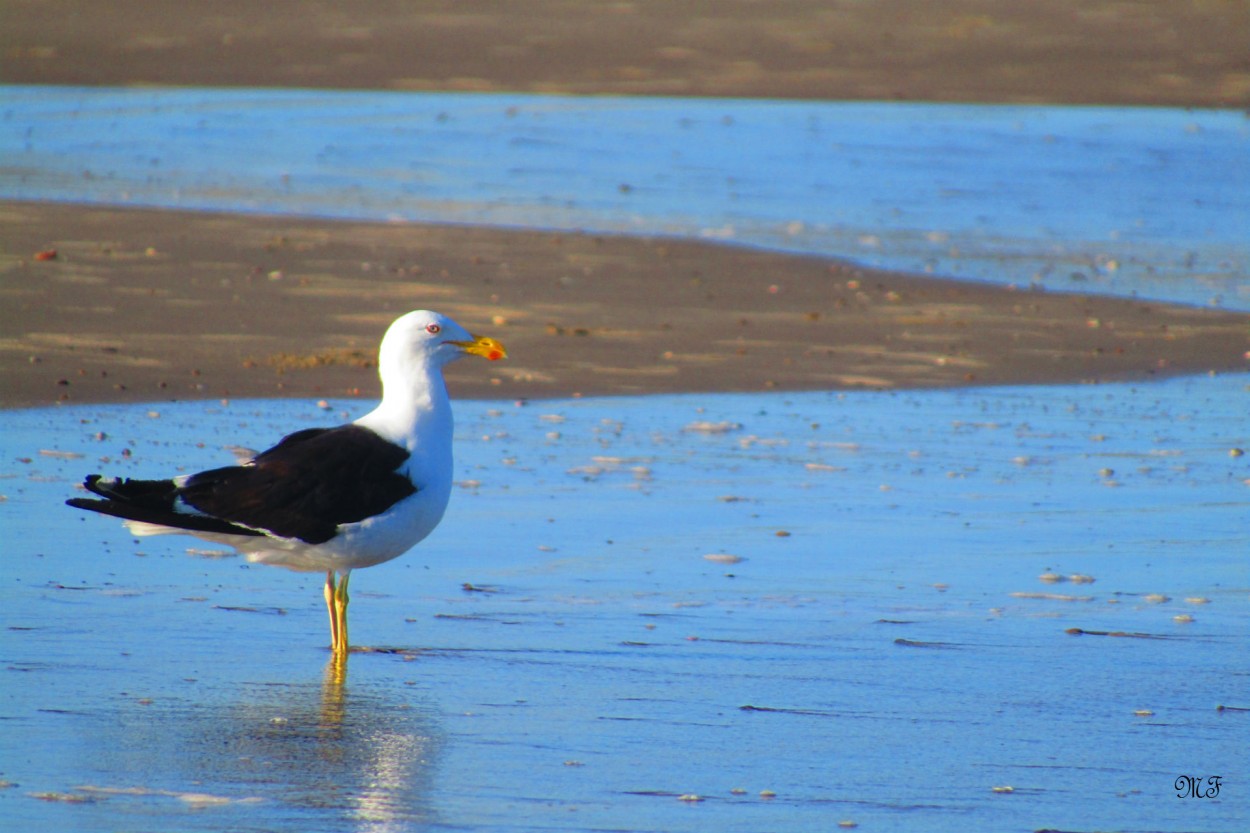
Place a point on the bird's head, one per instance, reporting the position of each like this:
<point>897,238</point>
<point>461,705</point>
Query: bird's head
<point>431,338</point>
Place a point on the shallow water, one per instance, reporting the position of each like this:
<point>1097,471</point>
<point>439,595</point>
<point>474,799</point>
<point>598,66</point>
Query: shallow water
<point>1130,201</point>
<point>562,655</point>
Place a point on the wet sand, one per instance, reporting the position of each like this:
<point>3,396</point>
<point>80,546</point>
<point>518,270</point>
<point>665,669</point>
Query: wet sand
<point>1011,609</point>
<point>143,305</point>
<point>1066,51</point>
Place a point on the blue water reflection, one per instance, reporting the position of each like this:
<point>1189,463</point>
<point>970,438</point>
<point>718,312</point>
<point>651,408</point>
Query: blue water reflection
<point>1154,202</point>
<point>900,651</point>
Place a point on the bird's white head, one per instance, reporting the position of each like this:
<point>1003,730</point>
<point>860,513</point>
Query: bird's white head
<point>431,339</point>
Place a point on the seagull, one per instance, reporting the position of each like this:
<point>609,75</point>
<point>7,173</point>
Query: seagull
<point>326,500</point>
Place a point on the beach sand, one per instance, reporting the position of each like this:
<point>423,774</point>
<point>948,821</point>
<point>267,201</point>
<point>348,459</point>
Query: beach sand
<point>149,305</point>
<point>146,305</point>
<point>1189,54</point>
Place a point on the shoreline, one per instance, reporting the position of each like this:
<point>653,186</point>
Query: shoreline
<point>143,305</point>
<point>148,305</point>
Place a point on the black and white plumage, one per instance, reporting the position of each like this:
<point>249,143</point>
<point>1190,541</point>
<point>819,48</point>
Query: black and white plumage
<point>327,499</point>
<point>303,489</point>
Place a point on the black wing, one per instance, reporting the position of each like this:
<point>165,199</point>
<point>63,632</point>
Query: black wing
<point>304,487</point>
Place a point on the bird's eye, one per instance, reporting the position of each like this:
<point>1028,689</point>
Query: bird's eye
<point>433,329</point>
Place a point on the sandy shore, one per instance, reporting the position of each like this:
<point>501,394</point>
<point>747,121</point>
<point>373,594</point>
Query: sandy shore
<point>1184,53</point>
<point>147,305</point>
<point>142,305</point>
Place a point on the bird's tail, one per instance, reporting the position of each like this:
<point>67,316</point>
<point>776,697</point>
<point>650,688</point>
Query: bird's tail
<point>152,493</point>
<point>150,507</point>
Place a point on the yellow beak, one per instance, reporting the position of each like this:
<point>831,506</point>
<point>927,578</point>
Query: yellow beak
<point>484,346</point>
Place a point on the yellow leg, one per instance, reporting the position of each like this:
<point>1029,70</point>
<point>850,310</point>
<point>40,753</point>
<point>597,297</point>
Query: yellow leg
<point>340,613</point>
<point>331,595</point>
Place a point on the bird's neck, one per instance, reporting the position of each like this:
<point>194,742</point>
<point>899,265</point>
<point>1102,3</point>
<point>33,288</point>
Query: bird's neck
<point>414,403</point>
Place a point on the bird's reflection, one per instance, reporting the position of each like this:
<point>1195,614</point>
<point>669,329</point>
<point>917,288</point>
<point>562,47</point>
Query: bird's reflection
<point>357,757</point>
<point>333,700</point>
